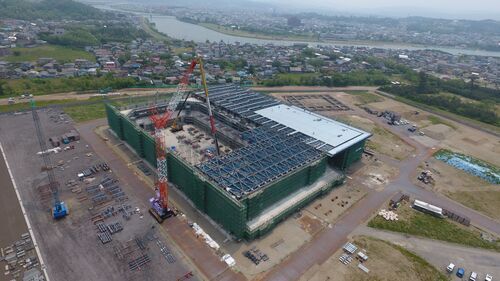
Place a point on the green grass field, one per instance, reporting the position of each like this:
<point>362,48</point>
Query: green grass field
<point>419,224</point>
<point>87,112</point>
<point>39,86</point>
<point>384,250</point>
<point>436,120</point>
<point>365,97</point>
<point>432,109</point>
<point>61,54</point>
<point>82,111</point>
<point>294,78</point>
<point>258,35</point>
<point>26,105</point>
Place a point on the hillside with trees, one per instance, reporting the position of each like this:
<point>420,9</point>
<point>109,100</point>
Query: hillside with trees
<point>49,10</point>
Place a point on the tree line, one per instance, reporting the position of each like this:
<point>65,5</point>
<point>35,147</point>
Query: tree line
<point>429,90</point>
<point>49,10</point>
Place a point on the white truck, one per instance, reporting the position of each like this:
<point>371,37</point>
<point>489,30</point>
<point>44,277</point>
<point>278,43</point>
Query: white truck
<point>488,277</point>
<point>473,276</point>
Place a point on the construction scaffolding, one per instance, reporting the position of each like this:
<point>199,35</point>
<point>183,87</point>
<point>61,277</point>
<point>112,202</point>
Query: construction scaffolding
<point>238,101</point>
<point>273,168</point>
<point>270,155</point>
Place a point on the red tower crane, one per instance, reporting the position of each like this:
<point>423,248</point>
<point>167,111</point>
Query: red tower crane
<point>159,204</point>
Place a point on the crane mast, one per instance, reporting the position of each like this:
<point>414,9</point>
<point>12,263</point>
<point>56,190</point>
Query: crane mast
<point>159,203</point>
<point>59,209</point>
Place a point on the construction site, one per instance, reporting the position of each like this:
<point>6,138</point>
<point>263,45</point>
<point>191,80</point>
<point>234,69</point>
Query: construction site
<point>265,160</point>
<point>221,182</point>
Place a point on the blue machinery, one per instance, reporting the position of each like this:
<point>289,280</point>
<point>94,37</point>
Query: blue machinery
<point>59,209</point>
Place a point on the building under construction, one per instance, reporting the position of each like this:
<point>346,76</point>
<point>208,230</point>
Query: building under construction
<point>274,158</point>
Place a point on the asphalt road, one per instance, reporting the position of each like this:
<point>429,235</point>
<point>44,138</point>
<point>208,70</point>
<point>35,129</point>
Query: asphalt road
<point>440,254</point>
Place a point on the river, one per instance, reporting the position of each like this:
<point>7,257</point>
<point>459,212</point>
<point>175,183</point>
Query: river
<point>177,29</point>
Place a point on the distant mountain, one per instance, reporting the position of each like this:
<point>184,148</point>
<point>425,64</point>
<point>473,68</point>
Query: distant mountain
<point>217,4</point>
<point>48,10</point>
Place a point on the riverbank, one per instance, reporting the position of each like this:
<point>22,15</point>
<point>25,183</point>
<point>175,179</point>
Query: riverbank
<point>176,29</point>
<point>300,38</point>
<point>248,34</point>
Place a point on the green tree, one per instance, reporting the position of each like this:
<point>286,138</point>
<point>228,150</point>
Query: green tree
<point>1,87</point>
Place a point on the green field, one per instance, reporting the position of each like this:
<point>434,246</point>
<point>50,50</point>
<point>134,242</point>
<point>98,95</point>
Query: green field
<point>258,35</point>
<point>91,109</point>
<point>26,105</point>
<point>365,97</point>
<point>416,223</point>
<point>390,254</point>
<point>295,78</point>
<point>39,86</point>
<point>459,118</point>
<point>87,112</point>
<point>61,54</point>
<point>436,120</point>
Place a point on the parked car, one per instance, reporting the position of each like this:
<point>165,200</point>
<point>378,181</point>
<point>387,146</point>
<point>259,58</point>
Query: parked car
<point>460,272</point>
<point>450,268</point>
<point>473,276</point>
<point>488,277</point>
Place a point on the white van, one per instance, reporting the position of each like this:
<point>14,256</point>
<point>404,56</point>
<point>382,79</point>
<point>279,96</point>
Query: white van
<point>473,276</point>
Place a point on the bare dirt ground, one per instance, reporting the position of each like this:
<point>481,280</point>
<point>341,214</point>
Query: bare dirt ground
<point>382,141</point>
<point>297,230</point>
<point>467,189</point>
<point>385,262</point>
<point>447,133</point>
<point>330,240</point>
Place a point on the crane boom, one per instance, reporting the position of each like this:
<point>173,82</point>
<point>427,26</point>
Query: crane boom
<point>159,204</point>
<point>59,210</point>
<point>210,114</point>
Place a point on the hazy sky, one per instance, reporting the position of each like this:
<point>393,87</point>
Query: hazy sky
<point>474,9</point>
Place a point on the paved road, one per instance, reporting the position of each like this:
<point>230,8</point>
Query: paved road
<point>330,240</point>
<point>439,253</point>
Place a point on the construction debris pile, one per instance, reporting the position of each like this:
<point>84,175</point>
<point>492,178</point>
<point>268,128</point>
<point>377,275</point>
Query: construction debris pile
<point>426,177</point>
<point>200,232</point>
<point>388,215</point>
<point>20,257</point>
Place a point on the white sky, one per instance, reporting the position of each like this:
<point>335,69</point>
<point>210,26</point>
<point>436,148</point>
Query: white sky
<point>475,9</point>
